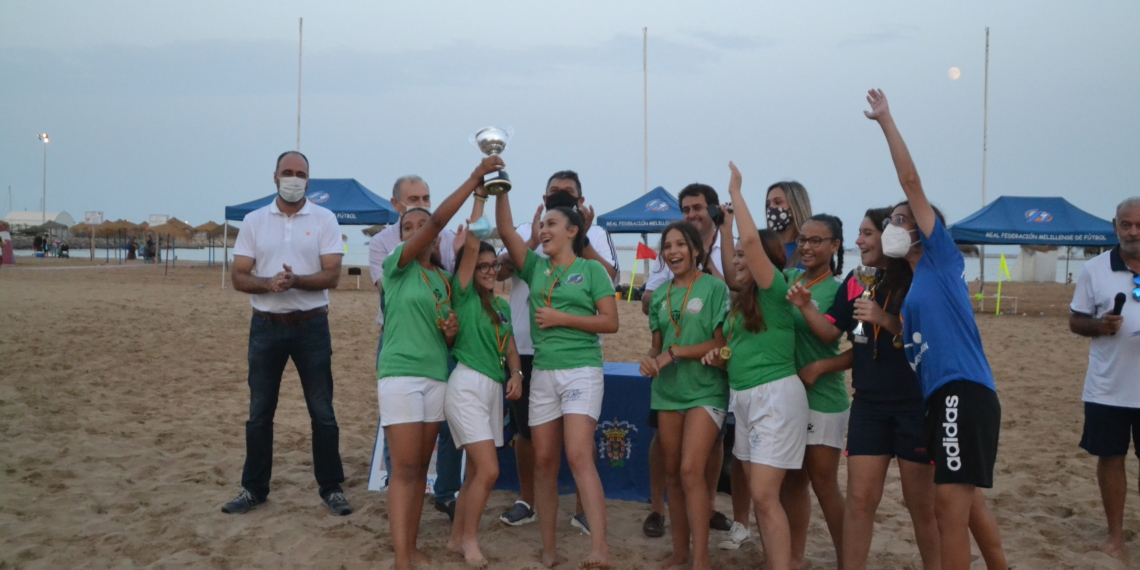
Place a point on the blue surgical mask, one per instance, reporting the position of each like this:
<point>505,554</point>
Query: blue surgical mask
<point>480,228</point>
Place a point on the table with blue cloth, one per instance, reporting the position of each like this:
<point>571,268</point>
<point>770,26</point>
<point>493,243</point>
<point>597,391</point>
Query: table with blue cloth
<point>621,439</point>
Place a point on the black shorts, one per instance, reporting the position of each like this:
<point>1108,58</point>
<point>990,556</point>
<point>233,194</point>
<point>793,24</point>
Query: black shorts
<point>894,429</point>
<point>519,410</point>
<point>651,421</point>
<point>1109,430</point>
<point>963,419</point>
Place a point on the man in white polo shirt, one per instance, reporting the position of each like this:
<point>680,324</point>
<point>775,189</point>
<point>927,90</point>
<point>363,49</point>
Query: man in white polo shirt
<point>287,256</point>
<point>1112,383</point>
<point>562,189</point>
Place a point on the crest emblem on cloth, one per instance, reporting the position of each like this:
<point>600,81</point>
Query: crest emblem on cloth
<point>614,445</point>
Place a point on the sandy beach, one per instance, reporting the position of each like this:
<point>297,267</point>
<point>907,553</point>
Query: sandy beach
<point>123,399</point>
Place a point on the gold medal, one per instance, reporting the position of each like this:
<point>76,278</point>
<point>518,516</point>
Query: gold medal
<point>898,341</point>
<point>725,353</point>
<point>439,323</point>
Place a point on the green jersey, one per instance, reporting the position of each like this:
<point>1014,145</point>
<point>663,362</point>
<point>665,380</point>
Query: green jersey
<point>767,355</point>
<point>415,299</point>
<point>687,316</point>
<point>829,393</point>
<point>482,341</point>
<point>574,289</point>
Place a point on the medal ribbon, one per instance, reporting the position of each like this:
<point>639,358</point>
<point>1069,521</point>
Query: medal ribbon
<point>423,274</point>
<point>550,291</point>
<point>685,303</point>
<point>812,284</point>
<point>500,339</point>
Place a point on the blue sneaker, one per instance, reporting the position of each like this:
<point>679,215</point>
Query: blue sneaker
<point>579,521</point>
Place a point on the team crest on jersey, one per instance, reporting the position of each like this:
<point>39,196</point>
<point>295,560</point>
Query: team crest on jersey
<point>503,318</point>
<point>695,306</point>
<point>614,444</point>
<point>575,279</point>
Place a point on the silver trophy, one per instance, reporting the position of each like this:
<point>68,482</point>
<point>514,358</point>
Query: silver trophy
<point>492,141</point>
<point>869,278</point>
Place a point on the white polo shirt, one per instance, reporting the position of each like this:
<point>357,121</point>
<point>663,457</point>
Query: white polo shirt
<point>382,244</point>
<point>661,274</point>
<point>273,239</point>
<point>520,291</point>
<point>1113,376</point>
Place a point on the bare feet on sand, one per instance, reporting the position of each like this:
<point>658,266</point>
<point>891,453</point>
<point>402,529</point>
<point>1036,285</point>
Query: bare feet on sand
<point>595,561</point>
<point>419,558</point>
<point>674,559</point>
<point>549,558</point>
<point>1114,547</point>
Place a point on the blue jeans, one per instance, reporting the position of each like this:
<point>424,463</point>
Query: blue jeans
<point>271,345</point>
<point>448,459</point>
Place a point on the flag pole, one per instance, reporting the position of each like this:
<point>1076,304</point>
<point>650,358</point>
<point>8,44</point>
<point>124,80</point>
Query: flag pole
<point>985,147</point>
<point>645,103</point>
<point>300,47</point>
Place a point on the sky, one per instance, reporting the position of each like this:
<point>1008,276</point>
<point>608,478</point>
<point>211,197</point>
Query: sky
<point>181,108</point>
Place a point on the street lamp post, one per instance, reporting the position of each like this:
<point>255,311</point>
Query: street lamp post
<point>44,138</point>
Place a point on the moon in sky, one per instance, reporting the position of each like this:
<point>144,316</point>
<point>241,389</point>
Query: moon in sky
<point>954,73</point>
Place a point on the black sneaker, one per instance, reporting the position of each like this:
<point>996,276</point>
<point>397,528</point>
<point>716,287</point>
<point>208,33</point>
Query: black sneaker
<point>338,504</point>
<point>447,509</point>
<point>654,526</point>
<point>720,522</point>
<point>243,503</point>
<point>579,521</point>
<point>520,513</point>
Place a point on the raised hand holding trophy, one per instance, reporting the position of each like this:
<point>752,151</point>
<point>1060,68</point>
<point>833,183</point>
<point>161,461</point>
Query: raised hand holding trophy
<point>869,278</point>
<point>492,141</point>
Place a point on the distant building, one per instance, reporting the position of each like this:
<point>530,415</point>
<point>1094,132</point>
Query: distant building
<point>22,219</point>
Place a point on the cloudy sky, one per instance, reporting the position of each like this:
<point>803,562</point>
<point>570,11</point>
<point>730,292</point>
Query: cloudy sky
<point>181,108</point>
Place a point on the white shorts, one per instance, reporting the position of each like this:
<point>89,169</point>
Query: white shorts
<point>827,429</point>
<point>409,399</point>
<point>771,423</point>
<point>474,407</point>
<point>555,393</point>
<point>716,414</point>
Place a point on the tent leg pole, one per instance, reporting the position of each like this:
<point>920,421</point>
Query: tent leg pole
<point>982,278</point>
<point>225,249</point>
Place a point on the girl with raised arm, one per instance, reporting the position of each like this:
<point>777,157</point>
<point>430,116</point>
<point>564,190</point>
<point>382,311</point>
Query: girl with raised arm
<point>690,398</point>
<point>412,370</point>
<point>887,413</point>
<point>942,343</point>
<point>474,402</point>
<point>769,400</point>
<point>820,247</point>
<point>571,303</point>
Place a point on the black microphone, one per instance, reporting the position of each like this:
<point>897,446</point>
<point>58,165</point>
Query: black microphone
<point>1119,303</point>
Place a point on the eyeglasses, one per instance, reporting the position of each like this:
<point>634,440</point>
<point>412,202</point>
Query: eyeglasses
<point>489,267</point>
<point>1136,291</point>
<point>814,241</point>
<point>897,219</point>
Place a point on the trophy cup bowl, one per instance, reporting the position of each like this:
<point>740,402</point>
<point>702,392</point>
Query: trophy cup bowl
<point>492,141</point>
<point>869,278</point>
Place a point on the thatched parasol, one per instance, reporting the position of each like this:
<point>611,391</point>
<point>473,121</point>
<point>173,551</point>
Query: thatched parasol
<point>174,228</point>
<point>373,230</point>
<point>207,228</point>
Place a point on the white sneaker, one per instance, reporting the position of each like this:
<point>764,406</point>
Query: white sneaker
<point>737,536</point>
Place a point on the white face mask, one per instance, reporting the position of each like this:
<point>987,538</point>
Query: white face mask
<point>291,188</point>
<point>896,241</point>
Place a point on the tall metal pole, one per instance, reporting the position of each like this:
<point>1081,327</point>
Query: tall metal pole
<point>300,46</point>
<point>645,108</point>
<point>43,209</point>
<point>985,147</point>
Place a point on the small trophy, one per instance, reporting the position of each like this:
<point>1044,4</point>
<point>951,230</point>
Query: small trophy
<point>492,141</point>
<point>869,278</point>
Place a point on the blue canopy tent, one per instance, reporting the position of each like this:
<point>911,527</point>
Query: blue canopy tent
<point>1024,220</point>
<point>352,203</point>
<point>650,212</point>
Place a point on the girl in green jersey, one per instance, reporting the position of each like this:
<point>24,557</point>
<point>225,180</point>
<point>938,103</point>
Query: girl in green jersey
<point>820,243</point>
<point>474,402</point>
<point>413,362</point>
<point>690,398</point>
<point>769,400</point>
<point>571,303</point>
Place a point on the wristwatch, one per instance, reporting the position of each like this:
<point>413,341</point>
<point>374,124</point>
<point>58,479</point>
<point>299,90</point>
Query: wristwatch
<point>519,372</point>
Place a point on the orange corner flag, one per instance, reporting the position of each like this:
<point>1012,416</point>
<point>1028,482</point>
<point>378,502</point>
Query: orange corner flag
<point>645,252</point>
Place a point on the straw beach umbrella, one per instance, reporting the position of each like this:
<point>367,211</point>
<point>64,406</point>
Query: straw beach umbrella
<point>173,229</point>
<point>208,228</point>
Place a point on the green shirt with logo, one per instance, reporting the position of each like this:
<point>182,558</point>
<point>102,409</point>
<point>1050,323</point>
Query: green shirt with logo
<point>482,341</point>
<point>768,355</point>
<point>414,298</point>
<point>688,383</point>
<point>574,289</point>
<point>829,393</point>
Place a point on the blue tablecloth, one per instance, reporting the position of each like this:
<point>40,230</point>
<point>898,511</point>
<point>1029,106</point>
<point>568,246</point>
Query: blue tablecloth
<point>621,440</point>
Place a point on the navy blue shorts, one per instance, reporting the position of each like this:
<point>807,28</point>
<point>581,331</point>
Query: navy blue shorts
<point>518,411</point>
<point>1109,430</point>
<point>894,429</point>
